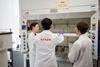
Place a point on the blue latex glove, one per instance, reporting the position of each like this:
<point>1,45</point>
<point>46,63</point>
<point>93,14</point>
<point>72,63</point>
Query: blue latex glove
<point>61,32</point>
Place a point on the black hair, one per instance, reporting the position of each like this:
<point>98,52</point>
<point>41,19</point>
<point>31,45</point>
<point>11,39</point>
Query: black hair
<point>46,23</point>
<point>33,25</point>
<point>82,27</point>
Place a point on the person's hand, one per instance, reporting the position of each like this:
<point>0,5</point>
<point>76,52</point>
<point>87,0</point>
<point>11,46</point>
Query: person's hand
<point>61,32</point>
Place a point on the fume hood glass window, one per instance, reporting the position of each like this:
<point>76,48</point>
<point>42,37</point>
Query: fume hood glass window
<point>67,26</point>
<point>62,49</point>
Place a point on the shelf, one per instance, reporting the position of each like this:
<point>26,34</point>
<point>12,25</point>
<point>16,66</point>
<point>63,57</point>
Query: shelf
<point>70,34</point>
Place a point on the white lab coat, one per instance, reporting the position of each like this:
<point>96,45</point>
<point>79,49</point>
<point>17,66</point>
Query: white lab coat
<point>81,52</point>
<point>45,43</point>
<point>31,49</point>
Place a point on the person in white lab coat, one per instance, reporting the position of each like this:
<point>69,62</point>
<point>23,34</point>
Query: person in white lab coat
<point>45,43</point>
<point>81,52</point>
<point>34,27</point>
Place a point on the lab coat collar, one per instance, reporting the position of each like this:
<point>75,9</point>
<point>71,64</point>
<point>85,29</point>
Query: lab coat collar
<point>83,35</point>
<point>46,31</point>
<point>33,33</point>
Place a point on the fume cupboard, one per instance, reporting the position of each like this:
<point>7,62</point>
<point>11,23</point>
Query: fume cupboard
<point>66,23</point>
<point>63,20</point>
<point>67,26</point>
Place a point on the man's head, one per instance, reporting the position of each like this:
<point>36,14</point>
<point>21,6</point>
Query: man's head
<point>34,27</point>
<point>81,28</point>
<point>46,23</point>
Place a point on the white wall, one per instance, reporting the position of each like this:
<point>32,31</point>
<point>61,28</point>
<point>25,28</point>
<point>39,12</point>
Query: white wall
<point>5,13</point>
<point>9,17</point>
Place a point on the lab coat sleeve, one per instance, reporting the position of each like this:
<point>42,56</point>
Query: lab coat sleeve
<point>58,38</point>
<point>31,44</point>
<point>74,53</point>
